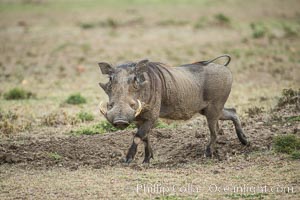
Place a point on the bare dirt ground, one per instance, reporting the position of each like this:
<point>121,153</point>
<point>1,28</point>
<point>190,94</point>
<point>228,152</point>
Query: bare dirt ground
<point>51,48</point>
<point>173,147</point>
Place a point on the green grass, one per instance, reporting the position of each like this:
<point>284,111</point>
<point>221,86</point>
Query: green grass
<point>172,22</point>
<point>18,94</point>
<point>290,30</point>
<point>216,20</point>
<point>87,25</point>
<point>246,196</point>
<point>85,116</point>
<point>55,156</point>
<point>295,155</point>
<point>259,30</point>
<point>289,144</point>
<point>160,124</point>
<point>105,126</point>
<point>293,119</point>
<point>110,23</point>
<point>76,99</point>
<point>223,19</point>
<point>101,128</point>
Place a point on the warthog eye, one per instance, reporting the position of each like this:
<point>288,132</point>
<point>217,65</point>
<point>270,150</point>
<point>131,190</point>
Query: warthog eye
<point>135,82</point>
<point>110,105</point>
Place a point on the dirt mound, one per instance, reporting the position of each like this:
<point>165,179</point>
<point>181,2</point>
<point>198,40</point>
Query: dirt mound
<point>172,147</point>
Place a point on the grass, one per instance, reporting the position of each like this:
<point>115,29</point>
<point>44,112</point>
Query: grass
<point>201,23</point>
<point>254,111</point>
<point>222,19</point>
<point>18,94</point>
<point>217,20</point>
<point>246,196</point>
<point>55,156</point>
<point>295,155</point>
<point>102,127</point>
<point>174,197</point>
<point>85,116</point>
<point>259,30</point>
<point>110,23</point>
<point>11,122</point>
<point>290,30</point>
<point>6,127</point>
<point>76,99</point>
<point>107,23</point>
<point>288,144</point>
<point>160,124</point>
<point>59,118</point>
<point>293,118</point>
<point>289,96</point>
<point>172,22</point>
<point>87,25</point>
<point>105,126</point>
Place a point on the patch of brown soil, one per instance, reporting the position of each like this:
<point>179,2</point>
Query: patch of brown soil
<point>172,147</point>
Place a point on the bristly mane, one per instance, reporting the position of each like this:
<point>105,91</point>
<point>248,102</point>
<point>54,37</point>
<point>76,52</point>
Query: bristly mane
<point>160,76</point>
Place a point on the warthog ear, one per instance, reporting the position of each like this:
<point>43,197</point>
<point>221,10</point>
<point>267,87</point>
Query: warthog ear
<point>103,86</point>
<point>106,68</point>
<point>141,66</point>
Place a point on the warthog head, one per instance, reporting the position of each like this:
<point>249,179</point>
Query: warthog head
<point>123,89</point>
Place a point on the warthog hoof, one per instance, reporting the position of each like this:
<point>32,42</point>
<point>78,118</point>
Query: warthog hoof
<point>208,152</point>
<point>147,159</point>
<point>127,160</point>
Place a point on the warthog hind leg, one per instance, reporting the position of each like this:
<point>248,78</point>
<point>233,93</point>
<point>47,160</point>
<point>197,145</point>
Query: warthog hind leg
<point>230,114</point>
<point>212,114</point>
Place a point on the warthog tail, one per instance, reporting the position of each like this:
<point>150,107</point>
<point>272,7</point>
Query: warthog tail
<point>210,61</point>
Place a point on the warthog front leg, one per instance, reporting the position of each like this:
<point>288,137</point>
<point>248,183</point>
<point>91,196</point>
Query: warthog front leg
<point>148,150</point>
<point>230,114</point>
<point>141,136</point>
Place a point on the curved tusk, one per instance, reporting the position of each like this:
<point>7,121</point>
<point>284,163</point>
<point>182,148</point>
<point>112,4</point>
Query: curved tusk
<point>139,110</point>
<point>102,110</point>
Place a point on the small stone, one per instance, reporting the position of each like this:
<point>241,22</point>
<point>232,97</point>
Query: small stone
<point>198,134</point>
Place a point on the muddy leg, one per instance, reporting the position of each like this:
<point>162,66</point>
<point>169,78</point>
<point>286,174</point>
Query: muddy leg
<point>141,135</point>
<point>212,114</point>
<point>131,152</point>
<point>230,114</point>
<point>212,125</point>
<point>148,150</point>
<point>219,130</point>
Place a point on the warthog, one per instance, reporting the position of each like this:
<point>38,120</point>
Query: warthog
<point>144,91</point>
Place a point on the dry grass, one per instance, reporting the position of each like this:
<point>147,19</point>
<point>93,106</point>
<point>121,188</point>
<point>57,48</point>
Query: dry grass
<point>258,170</point>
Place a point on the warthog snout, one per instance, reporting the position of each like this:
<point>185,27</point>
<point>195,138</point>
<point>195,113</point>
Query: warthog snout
<point>120,123</point>
<point>121,114</point>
